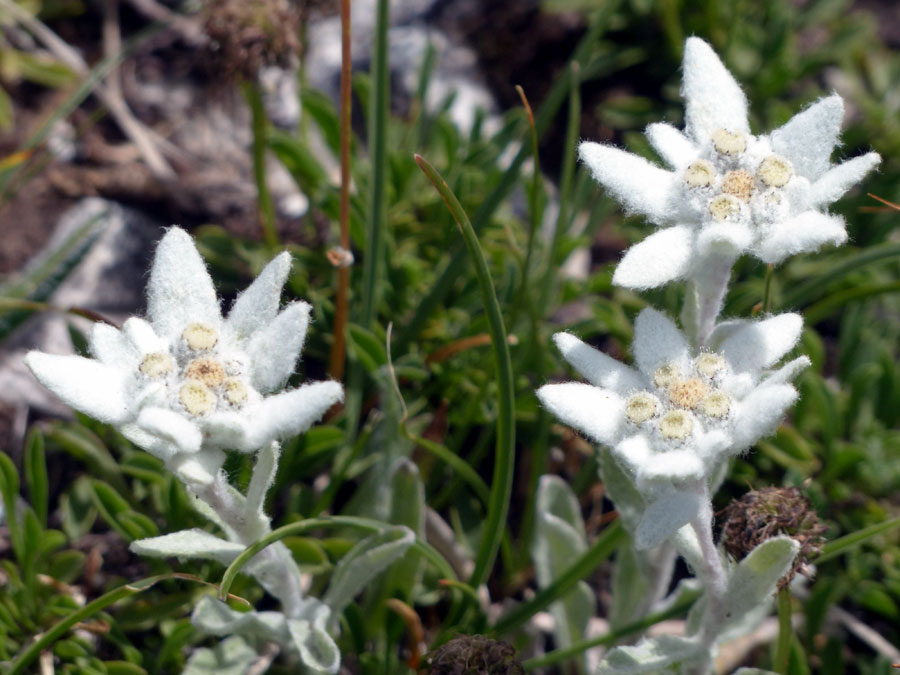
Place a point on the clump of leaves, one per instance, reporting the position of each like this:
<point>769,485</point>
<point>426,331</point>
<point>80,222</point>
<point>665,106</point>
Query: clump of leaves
<point>762,514</point>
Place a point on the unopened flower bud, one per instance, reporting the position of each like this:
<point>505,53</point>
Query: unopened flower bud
<point>728,143</point>
<point>200,336</point>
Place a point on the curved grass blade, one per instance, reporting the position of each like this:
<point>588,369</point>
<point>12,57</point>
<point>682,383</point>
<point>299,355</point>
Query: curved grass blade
<point>838,546</point>
<point>504,460</point>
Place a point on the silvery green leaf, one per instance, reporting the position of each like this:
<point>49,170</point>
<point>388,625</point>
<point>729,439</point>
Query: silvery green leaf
<point>188,544</point>
<point>407,508</point>
<point>232,656</point>
<point>363,563</point>
<point>753,581</point>
<point>621,490</point>
<point>317,650</point>
<point>639,583</point>
<point>650,655</point>
<point>670,512</point>
<point>560,539</point>
<point>754,671</point>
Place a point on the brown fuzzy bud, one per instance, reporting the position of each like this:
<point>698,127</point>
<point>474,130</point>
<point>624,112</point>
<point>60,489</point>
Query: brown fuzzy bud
<point>762,514</point>
<point>473,655</point>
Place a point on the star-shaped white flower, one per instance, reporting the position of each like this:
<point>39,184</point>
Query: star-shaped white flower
<point>671,421</point>
<point>186,383</point>
<point>728,191</point>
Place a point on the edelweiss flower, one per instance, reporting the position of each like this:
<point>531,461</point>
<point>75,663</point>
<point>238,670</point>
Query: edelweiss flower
<point>672,421</point>
<point>728,191</point>
<point>188,384</point>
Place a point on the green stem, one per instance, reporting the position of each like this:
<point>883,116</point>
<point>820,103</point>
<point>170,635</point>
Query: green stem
<point>838,546</point>
<point>377,211</point>
<point>258,126</point>
<point>504,458</point>
<point>785,632</point>
<point>599,551</point>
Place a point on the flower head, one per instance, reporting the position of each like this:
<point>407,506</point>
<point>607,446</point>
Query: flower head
<point>187,383</point>
<point>671,421</point>
<point>728,191</point>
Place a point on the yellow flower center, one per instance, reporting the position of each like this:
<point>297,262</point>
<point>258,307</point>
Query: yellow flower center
<point>196,398</point>
<point>208,371</point>
<point>640,407</point>
<point>235,391</point>
<point>156,365</point>
<point>738,183</point>
<point>687,393</point>
<point>728,143</point>
<point>700,174</point>
<point>708,364</point>
<point>200,336</point>
<point>716,404</point>
<point>675,425</point>
<point>665,375</point>
<point>775,171</point>
<point>722,207</point>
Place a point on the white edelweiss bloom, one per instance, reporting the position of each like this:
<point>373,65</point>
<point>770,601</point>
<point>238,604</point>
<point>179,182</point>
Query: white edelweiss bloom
<point>186,384</point>
<point>672,420</point>
<point>728,191</point>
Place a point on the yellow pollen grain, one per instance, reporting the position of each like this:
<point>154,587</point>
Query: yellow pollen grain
<point>640,407</point>
<point>208,371</point>
<point>235,391</point>
<point>676,425</point>
<point>738,183</point>
<point>716,404</point>
<point>708,364</point>
<point>687,393</point>
<point>665,375</point>
<point>775,171</point>
<point>200,336</point>
<point>728,143</point>
<point>156,365</point>
<point>722,207</point>
<point>700,174</point>
<point>196,398</point>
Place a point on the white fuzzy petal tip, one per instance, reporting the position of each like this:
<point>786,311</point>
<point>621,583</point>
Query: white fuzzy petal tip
<point>804,233</point>
<point>598,368</point>
<point>180,289</point>
<point>595,412</point>
<point>713,98</point>
<point>87,385</point>
<point>673,147</point>
<point>664,256</point>
<point>640,186</point>
<point>832,185</point>
<point>657,341</point>
<point>258,304</point>
<point>760,413</point>
<point>274,349</point>
<point>760,344</point>
<point>291,412</point>
<point>809,137</point>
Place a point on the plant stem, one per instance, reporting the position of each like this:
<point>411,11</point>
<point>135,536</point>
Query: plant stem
<point>341,310</point>
<point>785,631</point>
<point>258,151</point>
<point>711,570</point>
<point>705,296</point>
<point>282,576</point>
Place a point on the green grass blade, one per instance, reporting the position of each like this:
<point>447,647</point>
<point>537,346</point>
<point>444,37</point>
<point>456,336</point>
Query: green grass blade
<point>839,546</point>
<point>504,461</point>
<point>258,126</point>
<point>599,551</point>
<point>377,211</point>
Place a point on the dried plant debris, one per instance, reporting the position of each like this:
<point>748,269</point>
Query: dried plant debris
<point>762,514</point>
<point>474,655</point>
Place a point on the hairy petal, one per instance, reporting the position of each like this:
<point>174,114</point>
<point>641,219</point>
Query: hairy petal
<point>674,147</point>
<point>760,344</point>
<point>657,340</point>
<point>804,233</point>
<point>111,347</point>
<point>760,413</point>
<point>290,413</point>
<point>87,385</point>
<point>180,289</point>
<point>664,256</point>
<point>664,516</point>
<point>258,304</point>
<point>836,181</point>
<point>809,137</point>
<point>641,187</point>
<point>598,368</point>
<point>595,412</point>
<point>713,98</point>
<point>274,349</point>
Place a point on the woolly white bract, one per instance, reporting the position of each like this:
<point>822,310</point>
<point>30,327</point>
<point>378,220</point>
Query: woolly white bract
<point>728,191</point>
<point>671,422</point>
<point>187,383</point>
